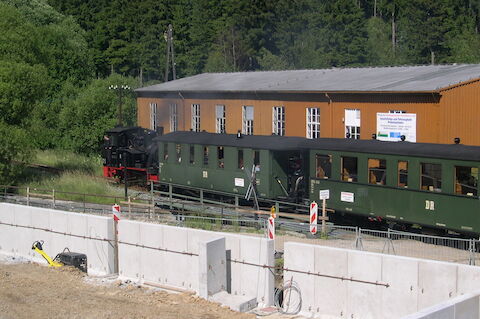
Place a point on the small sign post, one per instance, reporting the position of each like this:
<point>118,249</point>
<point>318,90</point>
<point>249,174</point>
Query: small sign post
<point>313,217</point>
<point>324,195</point>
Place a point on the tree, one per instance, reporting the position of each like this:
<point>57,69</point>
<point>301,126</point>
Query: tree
<point>86,116</point>
<point>14,148</point>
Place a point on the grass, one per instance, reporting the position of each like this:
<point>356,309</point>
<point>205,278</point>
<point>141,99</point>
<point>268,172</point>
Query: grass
<point>70,161</point>
<point>77,174</point>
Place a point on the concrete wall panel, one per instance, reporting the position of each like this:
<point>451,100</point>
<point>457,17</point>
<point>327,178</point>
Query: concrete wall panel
<point>100,253</point>
<point>468,279</point>
<point>367,267</point>
<point>24,236</point>
<point>180,268</point>
<point>436,282</point>
<point>330,294</point>
<point>129,255</point>
<point>212,270</point>
<point>152,261</point>
<point>401,297</point>
<point>301,257</point>
<point>7,233</point>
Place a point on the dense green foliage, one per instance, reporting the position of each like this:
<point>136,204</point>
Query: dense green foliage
<point>241,35</point>
<point>58,57</point>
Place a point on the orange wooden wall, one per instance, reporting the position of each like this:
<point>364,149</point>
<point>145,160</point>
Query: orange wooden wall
<point>440,118</point>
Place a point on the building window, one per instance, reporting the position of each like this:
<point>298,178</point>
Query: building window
<point>220,118</point>
<point>247,123</point>
<point>205,155</point>
<point>165,152</point>
<point>349,169</point>
<point>324,166</point>
<point>313,122</point>
<point>352,124</point>
<point>466,179</point>
<point>196,117</point>
<point>153,116</point>
<point>402,174</point>
<point>377,171</point>
<point>173,118</point>
<point>431,179</point>
<point>178,149</point>
<point>278,125</point>
<point>192,154</point>
<point>220,157</point>
<point>240,159</point>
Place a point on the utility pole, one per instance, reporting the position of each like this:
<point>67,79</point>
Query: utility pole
<point>120,90</point>
<point>168,35</point>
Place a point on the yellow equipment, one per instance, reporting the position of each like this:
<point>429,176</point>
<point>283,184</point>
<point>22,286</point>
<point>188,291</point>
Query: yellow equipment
<point>38,247</point>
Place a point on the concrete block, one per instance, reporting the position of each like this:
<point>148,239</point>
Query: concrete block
<point>402,275</point>
<point>437,282</point>
<point>330,294</point>
<point>236,303</point>
<point>212,267</point>
<point>368,267</point>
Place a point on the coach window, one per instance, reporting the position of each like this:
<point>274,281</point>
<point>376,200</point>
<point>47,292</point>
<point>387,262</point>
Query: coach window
<point>466,179</point>
<point>349,169</point>
<point>377,171</point>
<point>323,166</point>
<point>431,178</point>
<point>256,160</point>
<point>165,152</point>
<point>402,170</point>
<point>220,155</point>
<point>205,155</point>
<point>192,154</point>
<point>240,159</point>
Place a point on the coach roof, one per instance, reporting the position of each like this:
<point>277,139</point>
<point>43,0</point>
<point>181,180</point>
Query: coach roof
<point>431,78</point>
<point>285,143</point>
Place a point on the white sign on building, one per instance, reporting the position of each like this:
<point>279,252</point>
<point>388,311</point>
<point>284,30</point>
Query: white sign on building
<point>391,126</point>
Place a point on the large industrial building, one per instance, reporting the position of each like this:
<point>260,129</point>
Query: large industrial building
<point>433,104</point>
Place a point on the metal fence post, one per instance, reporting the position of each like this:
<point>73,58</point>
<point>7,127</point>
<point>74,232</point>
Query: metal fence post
<point>53,197</point>
<point>358,238</point>
<point>471,248</point>
<point>170,195</point>
<point>201,196</point>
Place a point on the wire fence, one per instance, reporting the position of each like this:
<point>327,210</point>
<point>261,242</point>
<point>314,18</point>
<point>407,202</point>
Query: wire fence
<point>227,219</point>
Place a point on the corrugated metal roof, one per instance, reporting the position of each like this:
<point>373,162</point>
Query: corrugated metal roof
<point>427,78</point>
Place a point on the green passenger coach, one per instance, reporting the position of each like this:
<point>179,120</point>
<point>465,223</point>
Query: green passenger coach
<point>412,184</point>
<point>400,183</point>
<point>225,162</point>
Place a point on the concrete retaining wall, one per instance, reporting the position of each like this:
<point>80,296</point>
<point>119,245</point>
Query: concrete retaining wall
<point>17,240</point>
<point>414,284</point>
<point>462,307</point>
<point>178,266</point>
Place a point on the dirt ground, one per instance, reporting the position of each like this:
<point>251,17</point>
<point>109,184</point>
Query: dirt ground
<point>29,290</point>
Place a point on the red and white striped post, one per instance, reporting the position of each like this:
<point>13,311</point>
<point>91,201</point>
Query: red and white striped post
<point>271,228</point>
<point>313,217</point>
<point>116,217</point>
